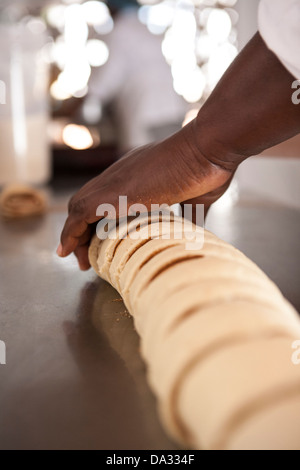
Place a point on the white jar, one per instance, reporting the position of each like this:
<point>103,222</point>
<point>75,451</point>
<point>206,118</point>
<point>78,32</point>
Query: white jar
<point>24,147</point>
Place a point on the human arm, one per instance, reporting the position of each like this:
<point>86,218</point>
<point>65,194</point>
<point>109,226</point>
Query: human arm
<point>250,110</point>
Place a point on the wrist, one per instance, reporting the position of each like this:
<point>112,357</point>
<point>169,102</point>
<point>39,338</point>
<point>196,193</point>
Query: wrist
<point>250,109</point>
<point>209,143</point>
<point>192,168</point>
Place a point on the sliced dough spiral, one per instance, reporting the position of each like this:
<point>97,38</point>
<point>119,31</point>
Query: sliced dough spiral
<point>216,334</point>
<point>21,201</point>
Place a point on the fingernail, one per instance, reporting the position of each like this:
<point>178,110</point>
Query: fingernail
<point>59,250</point>
<point>83,267</point>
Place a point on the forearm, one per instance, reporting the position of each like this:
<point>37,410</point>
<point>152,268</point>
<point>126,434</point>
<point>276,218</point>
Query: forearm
<point>250,110</point>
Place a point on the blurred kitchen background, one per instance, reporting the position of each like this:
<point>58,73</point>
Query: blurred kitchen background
<point>82,82</point>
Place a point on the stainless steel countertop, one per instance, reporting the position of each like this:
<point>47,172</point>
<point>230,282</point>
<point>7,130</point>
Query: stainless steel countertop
<point>74,378</point>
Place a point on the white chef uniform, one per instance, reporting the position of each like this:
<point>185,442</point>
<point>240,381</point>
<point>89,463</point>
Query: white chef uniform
<point>279,26</point>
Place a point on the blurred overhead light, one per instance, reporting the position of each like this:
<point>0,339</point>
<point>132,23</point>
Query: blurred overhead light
<point>95,13</point>
<point>205,46</point>
<point>190,116</point>
<point>56,16</point>
<point>228,3</point>
<point>81,93</point>
<point>199,41</point>
<point>97,52</point>
<point>58,92</point>
<point>191,86</point>
<point>59,52</point>
<point>77,137</point>
<point>219,61</point>
<point>219,24</point>
<point>72,51</point>
<point>76,30</point>
<point>75,76</point>
<point>105,28</point>
<point>158,17</point>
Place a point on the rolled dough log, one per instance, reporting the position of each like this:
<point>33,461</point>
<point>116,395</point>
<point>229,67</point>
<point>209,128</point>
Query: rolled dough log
<point>216,334</point>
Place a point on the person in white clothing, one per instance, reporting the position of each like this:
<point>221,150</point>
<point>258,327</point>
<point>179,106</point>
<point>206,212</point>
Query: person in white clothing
<point>139,82</point>
<point>279,26</point>
<point>251,109</point>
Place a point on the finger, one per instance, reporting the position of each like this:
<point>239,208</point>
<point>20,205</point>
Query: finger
<point>81,252</point>
<point>82,255</point>
<point>72,234</point>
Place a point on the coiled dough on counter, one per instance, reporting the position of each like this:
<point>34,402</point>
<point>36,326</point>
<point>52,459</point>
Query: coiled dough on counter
<point>216,334</point>
<point>21,201</point>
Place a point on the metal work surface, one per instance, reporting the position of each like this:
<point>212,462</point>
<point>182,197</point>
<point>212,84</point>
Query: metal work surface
<point>74,378</point>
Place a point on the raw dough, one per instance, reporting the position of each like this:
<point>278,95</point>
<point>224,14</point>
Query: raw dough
<point>216,334</point>
<point>20,201</point>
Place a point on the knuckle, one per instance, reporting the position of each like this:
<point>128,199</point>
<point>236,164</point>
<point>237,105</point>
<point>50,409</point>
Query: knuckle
<point>77,207</point>
<point>71,202</point>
